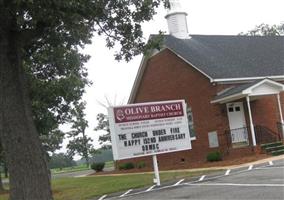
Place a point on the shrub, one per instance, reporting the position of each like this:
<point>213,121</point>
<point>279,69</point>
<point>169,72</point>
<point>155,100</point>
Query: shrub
<point>214,156</point>
<point>125,166</point>
<point>98,167</point>
<point>140,165</point>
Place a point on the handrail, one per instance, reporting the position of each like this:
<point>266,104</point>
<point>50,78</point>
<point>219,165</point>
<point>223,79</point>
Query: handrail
<point>265,135</point>
<point>234,136</point>
<point>262,134</point>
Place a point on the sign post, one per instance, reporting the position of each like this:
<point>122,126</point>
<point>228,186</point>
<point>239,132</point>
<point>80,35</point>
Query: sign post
<point>148,129</point>
<point>156,170</point>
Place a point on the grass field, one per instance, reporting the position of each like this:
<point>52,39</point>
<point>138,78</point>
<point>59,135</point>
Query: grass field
<point>93,186</point>
<point>77,168</point>
<point>69,169</point>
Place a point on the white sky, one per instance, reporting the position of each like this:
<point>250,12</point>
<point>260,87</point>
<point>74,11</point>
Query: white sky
<point>114,80</point>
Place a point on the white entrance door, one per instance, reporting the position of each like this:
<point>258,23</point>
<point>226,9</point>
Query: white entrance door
<point>237,122</point>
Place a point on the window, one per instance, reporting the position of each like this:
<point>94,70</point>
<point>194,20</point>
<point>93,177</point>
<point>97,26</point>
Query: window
<point>231,109</point>
<point>237,108</point>
<point>190,122</point>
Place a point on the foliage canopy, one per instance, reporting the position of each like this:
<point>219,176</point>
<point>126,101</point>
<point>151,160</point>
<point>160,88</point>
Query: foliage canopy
<point>266,30</point>
<point>44,38</point>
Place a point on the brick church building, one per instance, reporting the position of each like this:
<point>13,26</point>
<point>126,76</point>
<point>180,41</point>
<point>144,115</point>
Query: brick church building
<point>233,87</point>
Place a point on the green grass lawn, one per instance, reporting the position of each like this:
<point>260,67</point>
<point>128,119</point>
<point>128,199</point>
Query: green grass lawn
<point>78,168</point>
<point>93,186</point>
<point>69,169</point>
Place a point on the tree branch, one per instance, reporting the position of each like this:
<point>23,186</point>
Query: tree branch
<point>105,32</point>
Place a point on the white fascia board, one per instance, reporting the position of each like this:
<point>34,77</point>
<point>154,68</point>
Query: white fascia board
<point>210,78</point>
<point>229,98</point>
<point>142,68</point>
<point>273,83</point>
<point>138,78</point>
<point>248,91</point>
<point>139,75</point>
<point>262,94</point>
<point>281,77</point>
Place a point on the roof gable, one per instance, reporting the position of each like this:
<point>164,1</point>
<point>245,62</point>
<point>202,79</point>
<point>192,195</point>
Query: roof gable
<point>255,88</point>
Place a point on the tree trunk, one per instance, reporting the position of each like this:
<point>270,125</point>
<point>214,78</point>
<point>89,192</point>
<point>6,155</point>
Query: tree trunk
<point>87,161</point>
<point>85,153</point>
<point>29,173</point>
<point>1,185</point>
<point>5,170</point>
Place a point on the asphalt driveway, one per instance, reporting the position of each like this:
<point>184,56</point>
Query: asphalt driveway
<point>264,181</point>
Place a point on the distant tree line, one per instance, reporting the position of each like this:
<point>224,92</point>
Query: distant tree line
<point>61,160</point>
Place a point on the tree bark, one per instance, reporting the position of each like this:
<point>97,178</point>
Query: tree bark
<point>29,173</point>
<point>5,170</point>
<point>1,185</point>
<point>85,153</point>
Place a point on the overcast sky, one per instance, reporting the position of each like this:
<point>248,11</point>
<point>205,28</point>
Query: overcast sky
<point>113,80</point>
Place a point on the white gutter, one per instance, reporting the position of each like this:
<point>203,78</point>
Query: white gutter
<point>247,78</point>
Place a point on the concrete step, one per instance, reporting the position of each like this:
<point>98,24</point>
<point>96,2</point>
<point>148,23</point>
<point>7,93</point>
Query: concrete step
<point>278,152</point>
<point>273,144</point>
<point>274,148</point>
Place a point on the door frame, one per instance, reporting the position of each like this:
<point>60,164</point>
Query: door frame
<point>237,133</point>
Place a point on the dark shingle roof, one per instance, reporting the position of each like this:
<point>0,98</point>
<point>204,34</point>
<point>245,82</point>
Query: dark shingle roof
<point>232,56</point>
<point>235,90</point>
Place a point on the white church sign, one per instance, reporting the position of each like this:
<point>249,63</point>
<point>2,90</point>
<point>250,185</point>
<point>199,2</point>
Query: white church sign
<point>149,129</point>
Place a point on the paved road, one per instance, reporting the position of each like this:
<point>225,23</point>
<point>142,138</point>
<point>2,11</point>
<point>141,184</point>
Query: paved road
<point>265,181</point>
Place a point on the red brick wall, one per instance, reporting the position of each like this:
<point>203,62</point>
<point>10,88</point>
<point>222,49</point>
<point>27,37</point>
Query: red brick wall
<point>265,112</point>
<point>167,77</point>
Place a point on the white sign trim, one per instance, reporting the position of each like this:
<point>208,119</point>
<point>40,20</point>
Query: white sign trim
<point>182,124</point>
